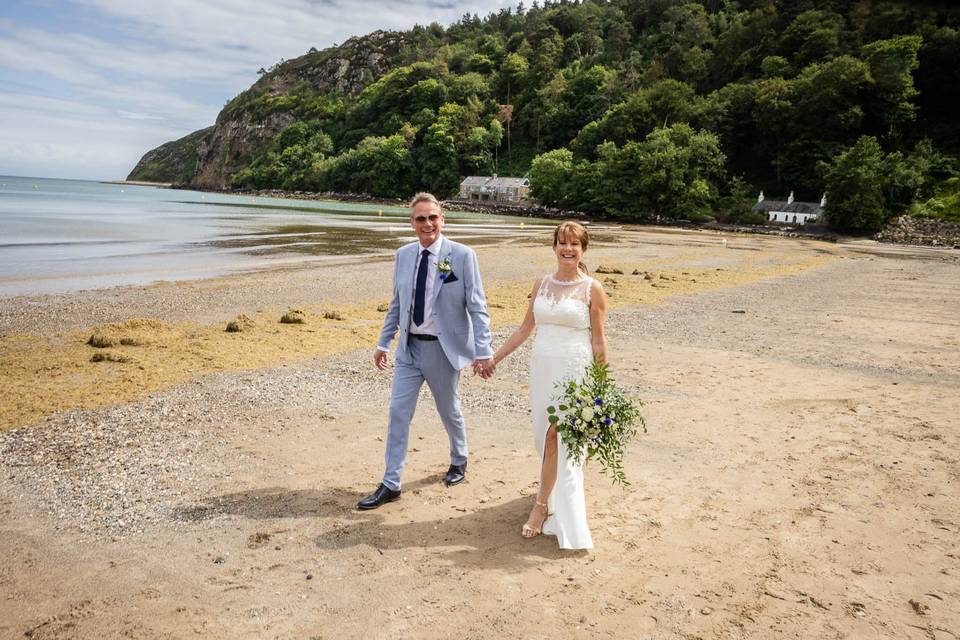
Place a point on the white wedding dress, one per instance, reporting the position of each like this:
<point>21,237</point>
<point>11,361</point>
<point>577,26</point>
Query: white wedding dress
<point>562,350</point>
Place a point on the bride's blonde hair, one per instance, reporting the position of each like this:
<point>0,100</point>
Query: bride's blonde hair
<point>572,231</point>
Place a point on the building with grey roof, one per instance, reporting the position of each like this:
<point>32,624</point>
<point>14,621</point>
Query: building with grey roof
<point>495,189</point>
<point>790,211</point>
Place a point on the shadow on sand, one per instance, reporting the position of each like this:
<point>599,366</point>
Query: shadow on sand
<point>488,536</point>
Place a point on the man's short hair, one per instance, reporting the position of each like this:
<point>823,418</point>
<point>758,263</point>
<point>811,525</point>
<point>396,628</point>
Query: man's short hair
<point>423,196</point>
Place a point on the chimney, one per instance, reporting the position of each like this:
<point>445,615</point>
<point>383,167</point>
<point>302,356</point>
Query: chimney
<point>760,198</point>
<point>790,199</point>
<point>823,200</point>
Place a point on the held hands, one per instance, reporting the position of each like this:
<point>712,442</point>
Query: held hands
<point>484,367</point>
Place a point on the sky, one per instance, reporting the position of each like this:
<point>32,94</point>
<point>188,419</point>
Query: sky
<point>88,86</point>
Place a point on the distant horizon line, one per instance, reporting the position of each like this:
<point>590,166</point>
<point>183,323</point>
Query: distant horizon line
<point>4,175</point>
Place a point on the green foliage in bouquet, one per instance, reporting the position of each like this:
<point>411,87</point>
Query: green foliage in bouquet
<point>595,419</point>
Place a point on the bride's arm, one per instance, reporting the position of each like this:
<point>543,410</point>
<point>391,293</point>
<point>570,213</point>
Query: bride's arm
<point>598,313</point>
<point>522,332</point>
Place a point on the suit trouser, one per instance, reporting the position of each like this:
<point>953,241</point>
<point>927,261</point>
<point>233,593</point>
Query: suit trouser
<point>427,363</point>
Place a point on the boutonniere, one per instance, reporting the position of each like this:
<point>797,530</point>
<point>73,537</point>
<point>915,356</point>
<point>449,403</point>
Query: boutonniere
<point>444,268</point>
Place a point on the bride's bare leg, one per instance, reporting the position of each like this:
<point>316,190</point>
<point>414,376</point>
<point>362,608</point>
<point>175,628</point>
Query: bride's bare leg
<point>548,478</point>
<point>548,472</point>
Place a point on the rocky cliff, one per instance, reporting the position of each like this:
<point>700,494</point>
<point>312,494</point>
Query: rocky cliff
<point>208,158</point>
<point>174,162</point>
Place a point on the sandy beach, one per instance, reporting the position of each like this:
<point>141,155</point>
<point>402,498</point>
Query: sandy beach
<point>800,477</point>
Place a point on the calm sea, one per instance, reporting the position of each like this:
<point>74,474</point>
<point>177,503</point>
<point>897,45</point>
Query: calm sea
<point>65,235</point>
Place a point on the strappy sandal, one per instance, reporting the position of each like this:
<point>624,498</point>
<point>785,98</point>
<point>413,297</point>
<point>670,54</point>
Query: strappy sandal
<point>532,532</point>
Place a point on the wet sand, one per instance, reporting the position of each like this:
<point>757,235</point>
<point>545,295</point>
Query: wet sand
<point>799,479</point>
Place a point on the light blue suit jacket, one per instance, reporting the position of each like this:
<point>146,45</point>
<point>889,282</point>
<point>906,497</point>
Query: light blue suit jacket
<point>459,306</point>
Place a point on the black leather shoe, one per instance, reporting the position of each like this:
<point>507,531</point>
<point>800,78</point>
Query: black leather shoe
<point>381,496</point>
<point>455,474</point>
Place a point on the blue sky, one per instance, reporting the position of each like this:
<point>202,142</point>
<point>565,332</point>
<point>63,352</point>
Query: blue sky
<point>88,86</point>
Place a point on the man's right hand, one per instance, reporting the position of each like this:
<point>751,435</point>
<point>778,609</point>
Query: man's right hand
<point>380,359</point>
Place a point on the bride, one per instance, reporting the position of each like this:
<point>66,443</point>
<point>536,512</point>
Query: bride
<point>567,308</point>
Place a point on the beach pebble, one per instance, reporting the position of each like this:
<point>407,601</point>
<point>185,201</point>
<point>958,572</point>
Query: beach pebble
<point>605,269</point>
<point>293,316</point>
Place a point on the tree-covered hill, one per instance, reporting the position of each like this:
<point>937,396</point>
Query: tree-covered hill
<point>174,162</point>
<point>628,108</point>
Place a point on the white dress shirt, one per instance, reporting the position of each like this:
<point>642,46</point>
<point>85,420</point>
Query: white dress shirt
<point>427,328</point>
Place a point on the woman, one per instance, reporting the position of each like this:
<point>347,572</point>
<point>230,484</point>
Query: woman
<point>568,309</point>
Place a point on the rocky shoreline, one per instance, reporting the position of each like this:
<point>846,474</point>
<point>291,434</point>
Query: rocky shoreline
<point>928,232</point>
<point>905,230</point>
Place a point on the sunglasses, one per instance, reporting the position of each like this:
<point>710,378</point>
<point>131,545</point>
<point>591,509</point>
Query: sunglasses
<point>433,217</point>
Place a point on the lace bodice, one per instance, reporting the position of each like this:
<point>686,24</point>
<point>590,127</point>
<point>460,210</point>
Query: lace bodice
<point>563,303</point>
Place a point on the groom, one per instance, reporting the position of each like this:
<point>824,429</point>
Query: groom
<point>439,307</point>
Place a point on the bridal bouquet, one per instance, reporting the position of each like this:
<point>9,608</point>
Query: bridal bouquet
<point>596,419</point>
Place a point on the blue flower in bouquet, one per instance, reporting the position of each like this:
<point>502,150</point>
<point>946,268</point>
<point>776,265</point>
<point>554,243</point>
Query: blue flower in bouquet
<point>589,431</point>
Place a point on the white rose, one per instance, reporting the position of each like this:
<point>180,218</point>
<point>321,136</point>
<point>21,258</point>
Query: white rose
<point>587,414</point>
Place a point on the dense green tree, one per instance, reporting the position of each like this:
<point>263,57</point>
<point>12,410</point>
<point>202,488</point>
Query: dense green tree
<point>437,159</point>
<point>480,63</point>
<point>813,36</point>
<point>513,73</point>
<point>425,94</point>
<point>944,204</point>
<point>735,207</point>
<point>855,184</point>
<point>672,174</point>
<point>892,63</point>
<point>550,176</point>
<point>729,112</point>
<point>663,103</point>
<point>688,58</point>
<point>776,67</point>
<point>751,35</point>
<point>379,166</point>
<point>467,86</point>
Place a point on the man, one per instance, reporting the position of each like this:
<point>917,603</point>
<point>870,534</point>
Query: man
<point>440,310</point>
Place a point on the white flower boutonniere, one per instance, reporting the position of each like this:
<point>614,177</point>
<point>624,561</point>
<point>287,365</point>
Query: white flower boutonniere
<point>444,268</point>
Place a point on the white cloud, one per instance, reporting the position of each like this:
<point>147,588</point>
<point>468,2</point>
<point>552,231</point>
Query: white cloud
<point>130,115</point>
<point>79,140</point>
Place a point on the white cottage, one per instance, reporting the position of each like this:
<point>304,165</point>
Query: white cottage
<point>494,189</point>
<point>790,211</point>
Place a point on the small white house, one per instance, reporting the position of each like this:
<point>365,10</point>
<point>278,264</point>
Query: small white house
<point>494,189</point>
<point>790,211</point>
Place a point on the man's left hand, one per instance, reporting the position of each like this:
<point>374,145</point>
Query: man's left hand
<point>484,367</point>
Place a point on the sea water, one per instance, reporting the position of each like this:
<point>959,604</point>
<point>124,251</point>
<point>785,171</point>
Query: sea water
<point>65,235</point>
